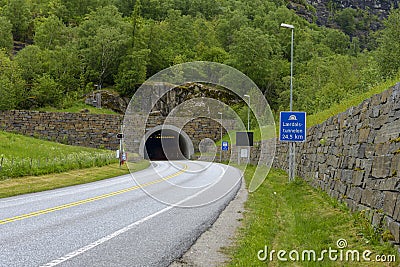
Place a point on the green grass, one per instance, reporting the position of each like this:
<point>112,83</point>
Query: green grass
<point>79,107</point>
<point>346,104</point>
<point>31,184</point>
<point>296,216</point>
<point>21,155</point>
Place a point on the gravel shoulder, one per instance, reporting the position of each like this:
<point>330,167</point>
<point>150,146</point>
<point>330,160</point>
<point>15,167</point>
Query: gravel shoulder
<point>207,249</point>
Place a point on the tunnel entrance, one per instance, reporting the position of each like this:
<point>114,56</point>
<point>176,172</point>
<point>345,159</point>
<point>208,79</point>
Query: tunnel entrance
<point>167,143</point>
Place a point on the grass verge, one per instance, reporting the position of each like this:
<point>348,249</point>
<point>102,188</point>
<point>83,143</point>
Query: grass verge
<point>298,217</point>
<point>32,184</point>
<point>21,156</point>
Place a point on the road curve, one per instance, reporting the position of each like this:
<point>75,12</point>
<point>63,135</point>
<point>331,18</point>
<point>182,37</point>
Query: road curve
<point>149,218</point>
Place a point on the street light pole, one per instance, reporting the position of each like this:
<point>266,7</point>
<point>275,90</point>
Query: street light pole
<point>248,114</point>
<point>292,148</point>
<point>220,153</point>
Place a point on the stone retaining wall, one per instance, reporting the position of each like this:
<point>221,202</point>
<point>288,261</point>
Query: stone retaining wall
<point>355,157</point>
<point>97,130</point>
<point>82,129</point>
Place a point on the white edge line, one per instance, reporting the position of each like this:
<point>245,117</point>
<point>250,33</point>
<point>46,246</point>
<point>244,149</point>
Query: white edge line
<point>116,233</point>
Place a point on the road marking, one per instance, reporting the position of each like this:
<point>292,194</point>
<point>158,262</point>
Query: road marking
<point>102,240</point>
<point>88,200</point>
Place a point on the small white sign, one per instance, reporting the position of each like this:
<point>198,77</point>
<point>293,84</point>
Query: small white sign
<point>243,153</point>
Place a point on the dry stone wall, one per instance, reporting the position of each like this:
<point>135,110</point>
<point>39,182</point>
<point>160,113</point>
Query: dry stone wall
<point>82,129</point>
<point>97,130</point>
<point>355,157</point>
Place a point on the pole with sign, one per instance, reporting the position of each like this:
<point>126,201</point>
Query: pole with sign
<point>121,154</point>
<point>292,148</point>
<point>224,147</point>
<point>292,128</point>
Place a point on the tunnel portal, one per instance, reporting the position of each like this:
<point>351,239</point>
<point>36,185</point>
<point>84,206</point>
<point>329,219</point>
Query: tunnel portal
<point>167,144</point>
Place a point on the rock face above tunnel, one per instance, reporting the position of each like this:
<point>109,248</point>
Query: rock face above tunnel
<point>183,93</point>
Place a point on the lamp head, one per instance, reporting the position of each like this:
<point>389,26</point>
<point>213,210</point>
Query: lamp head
<point>287,26</point>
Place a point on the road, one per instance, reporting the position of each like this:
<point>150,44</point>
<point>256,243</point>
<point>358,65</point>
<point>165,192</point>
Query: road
<point>149,218</point>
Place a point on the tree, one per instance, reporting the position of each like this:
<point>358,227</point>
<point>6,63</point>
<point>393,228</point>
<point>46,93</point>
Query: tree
<point>337,41</point>
<point>125,6</point>
<point>388,52</point>
<point>45,92</point>
<point>46,8</point>
<point>11,83</point>
<point>103,42</point>
<point>77,9</point>
<point>65,67</point>
<point>180,38</point>
<point>257,55</point>
<point>346,19</point>
<point>6,39</point>
<point>19,14</point>
<point>32,62</point>
<point>50,32</point>
<point>132,71</point>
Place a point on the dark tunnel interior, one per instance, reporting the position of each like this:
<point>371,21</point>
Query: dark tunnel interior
<point>166,144</point>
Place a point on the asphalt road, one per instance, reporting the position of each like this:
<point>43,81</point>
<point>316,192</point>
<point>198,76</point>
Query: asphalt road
<point>149,218</point>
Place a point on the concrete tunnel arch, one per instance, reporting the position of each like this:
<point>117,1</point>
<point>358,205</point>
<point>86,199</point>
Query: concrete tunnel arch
<point>166,142</point>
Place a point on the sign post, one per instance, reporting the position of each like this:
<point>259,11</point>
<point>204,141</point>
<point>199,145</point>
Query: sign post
<point>225,146</point>
<point>292,129</point>
<point>121,153</point>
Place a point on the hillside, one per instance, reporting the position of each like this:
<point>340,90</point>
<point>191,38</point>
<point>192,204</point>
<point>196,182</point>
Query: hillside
<point>66,52</point>
<point>357,19</point>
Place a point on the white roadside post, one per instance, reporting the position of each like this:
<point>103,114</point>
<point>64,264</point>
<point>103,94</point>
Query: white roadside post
<point>121,151</point>
<point>292,147</point>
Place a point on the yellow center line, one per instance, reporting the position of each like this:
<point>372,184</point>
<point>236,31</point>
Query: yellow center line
<point>88,200</point>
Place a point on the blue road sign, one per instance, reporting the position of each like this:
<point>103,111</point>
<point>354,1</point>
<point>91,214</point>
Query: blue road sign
<point>225,145</point>
<point>292,126</point>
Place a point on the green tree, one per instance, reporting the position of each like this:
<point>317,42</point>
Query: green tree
<point>257,55</point>
<point>45,92</point>
<point>388,52</point>
<point>337,41</point>
<point>65,67</point>
<point>77,9</point>
<point>132,72</point>
<point>6,38</point>
<point>32,61</point>
<point>178,39</point>
<point>346,19</point>
<point>125,6</point>
<point>227,25</point>
<point>19,14</point>
<point>11,83</point>
<point>45,8</point>
<point>50,32</point>
<point>325,81</point>
<point>103,39</point>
